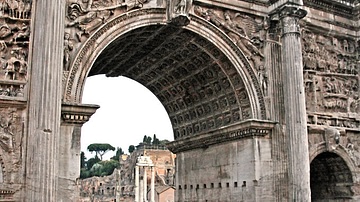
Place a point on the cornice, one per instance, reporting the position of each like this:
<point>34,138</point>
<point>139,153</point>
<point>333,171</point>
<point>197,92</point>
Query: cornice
<point>73,113</point>
<point>244,129</point>
<point>254,7</point>
<point>338,8</point>
<point>6,102</point>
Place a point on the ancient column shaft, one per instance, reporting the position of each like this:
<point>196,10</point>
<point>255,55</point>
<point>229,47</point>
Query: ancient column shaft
<point>145,185</point>
<point>137,183</point>
<point>277,111</point>
<point>152,185</point>
<point>44,99</point>
<point>295,110</point>
<point>141,192</point>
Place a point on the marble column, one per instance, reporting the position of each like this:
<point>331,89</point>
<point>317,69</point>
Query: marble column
<point>294,101</point>
<point>145,185</point>
<point>272,54</point>
<point>44,99</point>
<point>152,185</point>
<point>137,183</point>
<point>141,193</point>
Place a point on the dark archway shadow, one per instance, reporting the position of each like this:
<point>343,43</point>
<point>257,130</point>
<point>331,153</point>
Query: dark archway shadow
<point>330,179</point>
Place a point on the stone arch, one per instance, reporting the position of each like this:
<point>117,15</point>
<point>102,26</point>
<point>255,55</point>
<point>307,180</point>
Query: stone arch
<point>340,151</point>
<point>332,174</point>
<point>236,70</point>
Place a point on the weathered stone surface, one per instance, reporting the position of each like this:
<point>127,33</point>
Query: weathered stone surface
<point>214,65</point>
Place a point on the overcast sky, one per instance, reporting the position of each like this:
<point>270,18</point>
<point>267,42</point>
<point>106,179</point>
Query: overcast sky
<point>127,112</point>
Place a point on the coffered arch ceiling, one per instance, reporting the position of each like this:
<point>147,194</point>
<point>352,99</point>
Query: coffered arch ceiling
<point>194,80</point>
<point>201,88</point>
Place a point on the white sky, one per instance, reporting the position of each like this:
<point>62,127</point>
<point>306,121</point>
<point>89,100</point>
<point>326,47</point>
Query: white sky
<point>127,112</point>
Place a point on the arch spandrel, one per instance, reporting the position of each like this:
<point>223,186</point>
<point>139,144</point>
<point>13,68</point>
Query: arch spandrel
<point>202,92</point>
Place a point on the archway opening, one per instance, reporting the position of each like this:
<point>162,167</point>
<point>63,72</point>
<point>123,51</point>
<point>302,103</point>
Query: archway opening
<point>128,111</point>
<point>330,178</point>
<point>194,80</point>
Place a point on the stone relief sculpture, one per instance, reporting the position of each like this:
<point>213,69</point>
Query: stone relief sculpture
<point>14,42</point>
<point>331,76</point>
<point>10,144</point>
<point>16,9</point>
<point>86,20</point>
<point>246,32</point>
<point>177,11</point>
<point>6,132</point>
<point>68,47</point>
<point>83,18</point>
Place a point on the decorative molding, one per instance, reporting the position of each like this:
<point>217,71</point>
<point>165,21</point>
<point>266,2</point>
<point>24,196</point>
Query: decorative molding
<point>72,113</point>
<point>344,9</point>
<point>248,128</point>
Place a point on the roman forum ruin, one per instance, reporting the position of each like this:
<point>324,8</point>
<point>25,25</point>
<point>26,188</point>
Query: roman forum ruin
<point>263,95</point>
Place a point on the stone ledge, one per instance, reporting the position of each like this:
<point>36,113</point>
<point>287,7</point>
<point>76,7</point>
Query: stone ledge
<point>248,128</point>
<point>75,113</point>
<point>16,102</point>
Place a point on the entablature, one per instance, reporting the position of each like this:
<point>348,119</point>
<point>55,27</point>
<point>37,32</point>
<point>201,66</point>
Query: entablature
<point>245,129</point>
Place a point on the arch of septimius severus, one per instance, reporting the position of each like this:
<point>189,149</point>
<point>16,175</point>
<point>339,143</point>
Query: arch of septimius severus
<point>263,95</point>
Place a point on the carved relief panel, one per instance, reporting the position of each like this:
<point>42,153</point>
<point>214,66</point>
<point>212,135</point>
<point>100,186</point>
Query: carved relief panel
<point>248,32</point>
<point>11,147</point>
<point>331,79</point>
<point>14,46</point>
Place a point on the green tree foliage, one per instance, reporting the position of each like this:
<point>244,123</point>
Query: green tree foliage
<point>119,152</point>
<point>100,149</point>
<point>103,168</point>
<point>147,139</point>
<point>91,162</point>
<point>82,160</point>
<point>95,167</point>
<point>155,140</point>
<point>163,142</point>
<point>131,148</point>
<point>108,167</point>
<point>84,173</point>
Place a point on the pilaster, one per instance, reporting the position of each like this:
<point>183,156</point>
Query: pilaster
<point>44,100</point>
<point>294,104</point>
<point>73,116</point>
<point>277,110</point>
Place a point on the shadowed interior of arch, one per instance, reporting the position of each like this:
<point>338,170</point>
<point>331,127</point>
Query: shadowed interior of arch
<point>197,84</point>
<point>330,178</point>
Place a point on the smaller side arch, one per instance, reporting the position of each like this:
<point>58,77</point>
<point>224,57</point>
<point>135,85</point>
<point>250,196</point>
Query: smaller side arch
<point>332,174</point>
<point>340,151</point>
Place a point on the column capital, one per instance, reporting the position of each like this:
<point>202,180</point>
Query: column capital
<point>289,17</point>
<point>292,11</point>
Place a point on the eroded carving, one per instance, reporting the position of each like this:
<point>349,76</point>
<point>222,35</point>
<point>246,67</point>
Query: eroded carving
<point>331,78</point>
<point>10,144</point>
<point>14,47</point>
<point>16,9</point>
<point>247,32</point>
<point>68,47</point>
<point>85,18</point>
<point>177,12</point>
